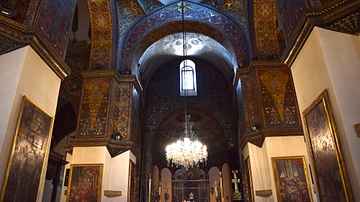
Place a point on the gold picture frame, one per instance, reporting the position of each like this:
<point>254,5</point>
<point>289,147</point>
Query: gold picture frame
<point>248,193</point>
<point>291,179</point>
<point>27,159</point>
<point>329,171</point>
<point>85,182</point>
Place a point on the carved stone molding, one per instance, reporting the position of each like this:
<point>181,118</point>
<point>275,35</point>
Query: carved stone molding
<point>258,137</point>
<point>115,147</point>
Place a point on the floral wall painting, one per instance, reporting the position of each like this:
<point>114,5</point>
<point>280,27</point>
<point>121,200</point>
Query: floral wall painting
<point>329,171</point>
<point>291,178</point>
<point>26,163</point>
<point>85,182</point>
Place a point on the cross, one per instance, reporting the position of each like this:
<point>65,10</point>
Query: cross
<point>236,194</point>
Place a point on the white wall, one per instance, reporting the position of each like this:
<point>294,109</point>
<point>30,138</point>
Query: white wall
<point>330,60</point>
<point>285,147</point>
<point>23,72</point>
<point>115,170</point>
<point>261,164</point>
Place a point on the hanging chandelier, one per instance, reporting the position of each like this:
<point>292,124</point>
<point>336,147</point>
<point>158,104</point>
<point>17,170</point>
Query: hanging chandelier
<point>188,151</point>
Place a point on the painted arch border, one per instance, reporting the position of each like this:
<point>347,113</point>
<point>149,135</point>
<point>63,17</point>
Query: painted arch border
<point>167,21</point>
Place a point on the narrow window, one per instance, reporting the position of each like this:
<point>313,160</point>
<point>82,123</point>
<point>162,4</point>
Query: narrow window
<point>188,78</point>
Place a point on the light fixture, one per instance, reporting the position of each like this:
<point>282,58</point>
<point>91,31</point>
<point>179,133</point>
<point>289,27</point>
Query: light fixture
<point>188,151</point>
<point>7,9</point>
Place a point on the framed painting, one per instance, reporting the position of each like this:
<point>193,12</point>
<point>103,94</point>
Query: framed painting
<point>85,182</point>
<point>26,162</point>
<point>329,169</point>
<point>291,179</point>
<point>247,183</point>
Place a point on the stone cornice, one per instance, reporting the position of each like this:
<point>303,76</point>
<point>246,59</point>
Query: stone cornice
<point>258,137</point>
<point>114,73</point>
<point>23,35</point>
<point>115,147</point>
<point>322,17</point>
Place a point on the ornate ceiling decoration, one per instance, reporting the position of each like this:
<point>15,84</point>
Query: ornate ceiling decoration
<point>167,21</point>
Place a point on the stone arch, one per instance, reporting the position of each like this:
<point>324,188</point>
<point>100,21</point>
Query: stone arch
<point>103,40</point>
<point>199,19</point>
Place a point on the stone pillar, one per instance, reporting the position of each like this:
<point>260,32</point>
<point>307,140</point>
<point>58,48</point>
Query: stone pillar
<point>108,131</point>
<point>109,113</point>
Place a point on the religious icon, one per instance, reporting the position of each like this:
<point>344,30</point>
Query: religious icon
<point>325,151</point>
<point>26,162</point>
<point>85,182</point>
<point>236,195</point>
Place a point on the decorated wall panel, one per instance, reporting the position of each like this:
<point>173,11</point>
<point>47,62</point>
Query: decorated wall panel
<point>265,29</point>
<point>320,3</point>
<point>135,118</point>
<point>213,3</point>
<point>129,12</point>
<point>25,10</point>
<point>278,98</point>
<point>238,10</point>
<point>94,107</point>
<point>101,34</point>
<point>290,13</point>
<point>150,5</point>
<point>119,121</point>
<point>77,57</point>
<point>22,7</point>
<point>6,45</point>
<point>31,12</point>
<point>54,21</point>
<point>349,24</point>
<point>252,102</point>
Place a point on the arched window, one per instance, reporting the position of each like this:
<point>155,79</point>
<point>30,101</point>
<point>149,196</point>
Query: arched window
<point>188,78</point>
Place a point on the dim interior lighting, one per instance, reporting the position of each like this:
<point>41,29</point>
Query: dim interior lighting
<point>7,9</point>
<point>188,151</point>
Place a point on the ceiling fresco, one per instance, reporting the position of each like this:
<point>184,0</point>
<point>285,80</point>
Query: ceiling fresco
<point>204,18</point>
<point>198,45</point>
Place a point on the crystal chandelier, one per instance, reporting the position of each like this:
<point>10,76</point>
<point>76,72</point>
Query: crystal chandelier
<point>188,151</point>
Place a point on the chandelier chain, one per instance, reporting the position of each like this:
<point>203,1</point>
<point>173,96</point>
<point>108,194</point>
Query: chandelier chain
<point>188,151</point>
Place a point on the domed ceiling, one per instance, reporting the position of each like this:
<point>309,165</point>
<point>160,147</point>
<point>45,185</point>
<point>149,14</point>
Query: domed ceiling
<point>197,45</point>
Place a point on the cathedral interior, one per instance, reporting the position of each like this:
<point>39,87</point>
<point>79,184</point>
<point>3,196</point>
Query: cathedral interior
<point>118,66</point>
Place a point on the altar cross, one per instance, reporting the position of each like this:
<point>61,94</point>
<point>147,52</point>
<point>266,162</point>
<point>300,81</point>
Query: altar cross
<point>236,194</point>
